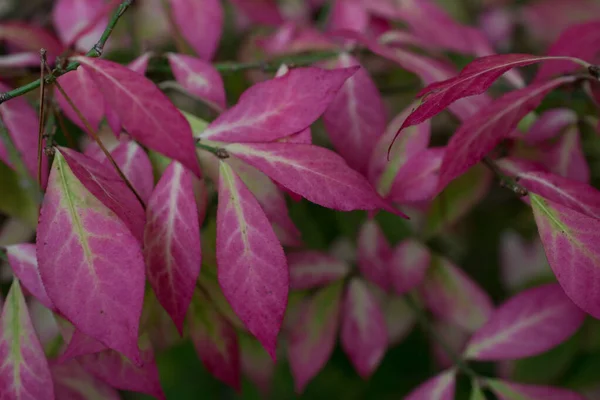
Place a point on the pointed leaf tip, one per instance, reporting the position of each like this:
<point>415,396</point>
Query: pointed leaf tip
<point>252,268</point>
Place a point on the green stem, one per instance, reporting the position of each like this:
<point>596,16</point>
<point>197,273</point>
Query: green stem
<point>505,181</point>
<point>297,60</point>
<point>425,324</point>
<point>96,51</point>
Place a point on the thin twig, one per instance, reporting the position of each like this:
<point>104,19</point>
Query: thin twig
<point>505,180</point>
<point>96,51</point>
<point>90,130</point>
<point>426,325</point>
<point>41,114</point>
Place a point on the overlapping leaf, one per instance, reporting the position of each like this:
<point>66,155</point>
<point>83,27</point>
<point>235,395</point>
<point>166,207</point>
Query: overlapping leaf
<point>144,111</point>
<point>530,323</point>
<point>549,124</point>
<point>417,180</point>
<point>363,331</point>
<point>80,20</point>
<point>72,382</point>
<point>408,265</point>
<point>257,366</point>
<point>24,372</point>
<point>200,22</point>
<point>312,340</point>
<point>356,117</point>
<point>135,165</point>
<point>90,263</point>
<point>279,107</point>
<point>570,240</point>
<point>23,261</point>
<point>315,173</point>
<point>252,268</point>
<point>263,12</point>
<point>172,241</point>
<point>215,341</point>
<point>83,92</point>
<point>373,254</point>
<point>566,158</point>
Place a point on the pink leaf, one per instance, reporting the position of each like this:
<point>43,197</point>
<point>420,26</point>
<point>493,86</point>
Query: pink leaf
<point>310,269</point>
<point>549,124</point>
<point>453,297</point>
<point>315,173</point>
<point>72,17</point>
<point>374,254</point>
<point>474,79</point>
<point>511,391</point>
<point>581,41</point>
<point>20,60</point>
<point>356,117</point>
<point>578,196</point>
<point>570,240</point>
<point>24,372</point>
<point>364,331</point>
<point>311,342</point>
<point>21,121</point>
<point>440,387</point>
<point>82,90</point>
<point>348,14</point>
<point>199,78</point>
<point>521,262</point>
<point>31,38</point>
<point>408,265</point>
<point>135,164</point>
<point>417,180</point>
<point>114,369</point>
<point>271,199</point>
<point>252,268</point>
<point>263,12</point>
<point>257,366</point>
<point>90,263</point>
<point>215,341</point>
<point>481,133</point>
<point>140,64</point>
<point>80,344</point>
<point>145,112</point>
<point>200,23</point>
<point>410,141</point>
<point>279,107</point>
<point>528,324</point>
<point>172,241</point>
<point>103,182</point>
<point>566,158</point>
<point>72,382</point>
<point>23,261</point>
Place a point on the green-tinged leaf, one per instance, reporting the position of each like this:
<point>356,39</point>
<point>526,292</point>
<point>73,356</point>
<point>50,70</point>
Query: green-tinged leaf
<point>209,284</point>
<point>476,392</point>
<point>457,199</point>
<point>516,391</point>
<point>198,125</point>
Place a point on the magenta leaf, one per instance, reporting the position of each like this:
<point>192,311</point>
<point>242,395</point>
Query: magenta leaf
<point>566,158</point>
<point>310,269</point>
<point>31,38</point>
<point>82,242</point>
<point>440,387</point>
<point>516,391</point>
<point>271,199</point>
<point>318,174</point>
<point>21,121</point>
<point>528,324</point>
<point>135,164</point>
<point>279,107</point>
<point>263,12</point>
<point>381,172</point>
<point>312,339</point>
<point>215,341</point>
<point>140,64</point>
<point>82,90</point>
<point>199,78</point>
<point>103,182</point>
<point>453,297</point>
<point>408,265</point>
<point>73,382</point>
<point>117,371</point>
<point>145,112</point>
<point>482,132</point>
<point>578,196</point>
<point>24,372</point>
<point>581,41</point>
<point>363,331</point>
<point>72,17</point>
<point>257,366</point>
<point>200,22</point>
<point>549,124</point>
<point>172,241</point>
<point>19,60</point>
<point>356,117</point>
<point>252,268</point>
<point>474,79</point>
<point>418,178</point>
<point>80,344</point>
<point>570,240</point>
<point>23,261</point>
<point>348,14</point>
<point>373,254</point>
